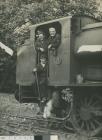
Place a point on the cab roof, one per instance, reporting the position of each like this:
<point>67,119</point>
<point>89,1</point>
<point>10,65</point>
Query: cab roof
<point>64,18</point>
<point>50,21</point>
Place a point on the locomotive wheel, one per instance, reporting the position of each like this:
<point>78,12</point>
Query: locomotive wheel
<point>87,114</point>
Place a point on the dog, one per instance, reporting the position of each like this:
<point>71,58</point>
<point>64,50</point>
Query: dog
<point>52,107</point>
<point>48,109</point>
<point>58,104</point>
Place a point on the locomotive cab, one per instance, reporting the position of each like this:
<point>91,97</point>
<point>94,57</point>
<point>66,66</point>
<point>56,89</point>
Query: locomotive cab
<point>61,68</point>
<point>57,65</point>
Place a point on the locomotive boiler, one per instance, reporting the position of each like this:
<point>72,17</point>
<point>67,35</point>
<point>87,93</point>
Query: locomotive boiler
<point>77,67</point>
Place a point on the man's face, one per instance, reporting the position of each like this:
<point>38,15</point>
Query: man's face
<point>43,61</point>
<point>41,36</point>
<point>52,32</point>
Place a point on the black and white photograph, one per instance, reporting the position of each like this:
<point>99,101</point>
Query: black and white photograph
<point>51,69</point>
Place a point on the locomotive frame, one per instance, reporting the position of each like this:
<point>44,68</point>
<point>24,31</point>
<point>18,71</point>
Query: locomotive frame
<point>69,69</point>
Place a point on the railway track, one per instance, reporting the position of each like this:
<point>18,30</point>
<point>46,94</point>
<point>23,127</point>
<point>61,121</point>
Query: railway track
<point>22,125</point>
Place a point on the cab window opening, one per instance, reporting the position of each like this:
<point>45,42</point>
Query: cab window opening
<point>44,29</point>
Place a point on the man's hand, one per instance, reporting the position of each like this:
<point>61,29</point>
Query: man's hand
<point>35,69</point>
<point>49,47</point>
<point>41,49</point>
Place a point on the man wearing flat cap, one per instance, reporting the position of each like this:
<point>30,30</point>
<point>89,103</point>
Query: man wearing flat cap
<point>41,70</point>
<point>54,40</point>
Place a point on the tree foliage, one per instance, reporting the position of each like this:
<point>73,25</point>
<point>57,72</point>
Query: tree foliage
<point>22,12</point>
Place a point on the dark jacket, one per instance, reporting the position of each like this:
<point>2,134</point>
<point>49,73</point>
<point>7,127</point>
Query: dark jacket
<point>54,41</point>
<point>42,74</point>
<point>41,44</point>
<point>42,79</point>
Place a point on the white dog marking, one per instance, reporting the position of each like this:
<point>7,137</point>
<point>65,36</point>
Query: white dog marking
<point>48,109</point>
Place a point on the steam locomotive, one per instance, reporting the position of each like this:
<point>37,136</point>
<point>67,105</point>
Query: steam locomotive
<point>76,70</point>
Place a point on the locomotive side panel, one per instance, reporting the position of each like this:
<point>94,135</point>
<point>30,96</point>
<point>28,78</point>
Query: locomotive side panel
<point>90,36</point>
<point>59,66</point>
<point>90,39</point>
<point>25,64</point>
